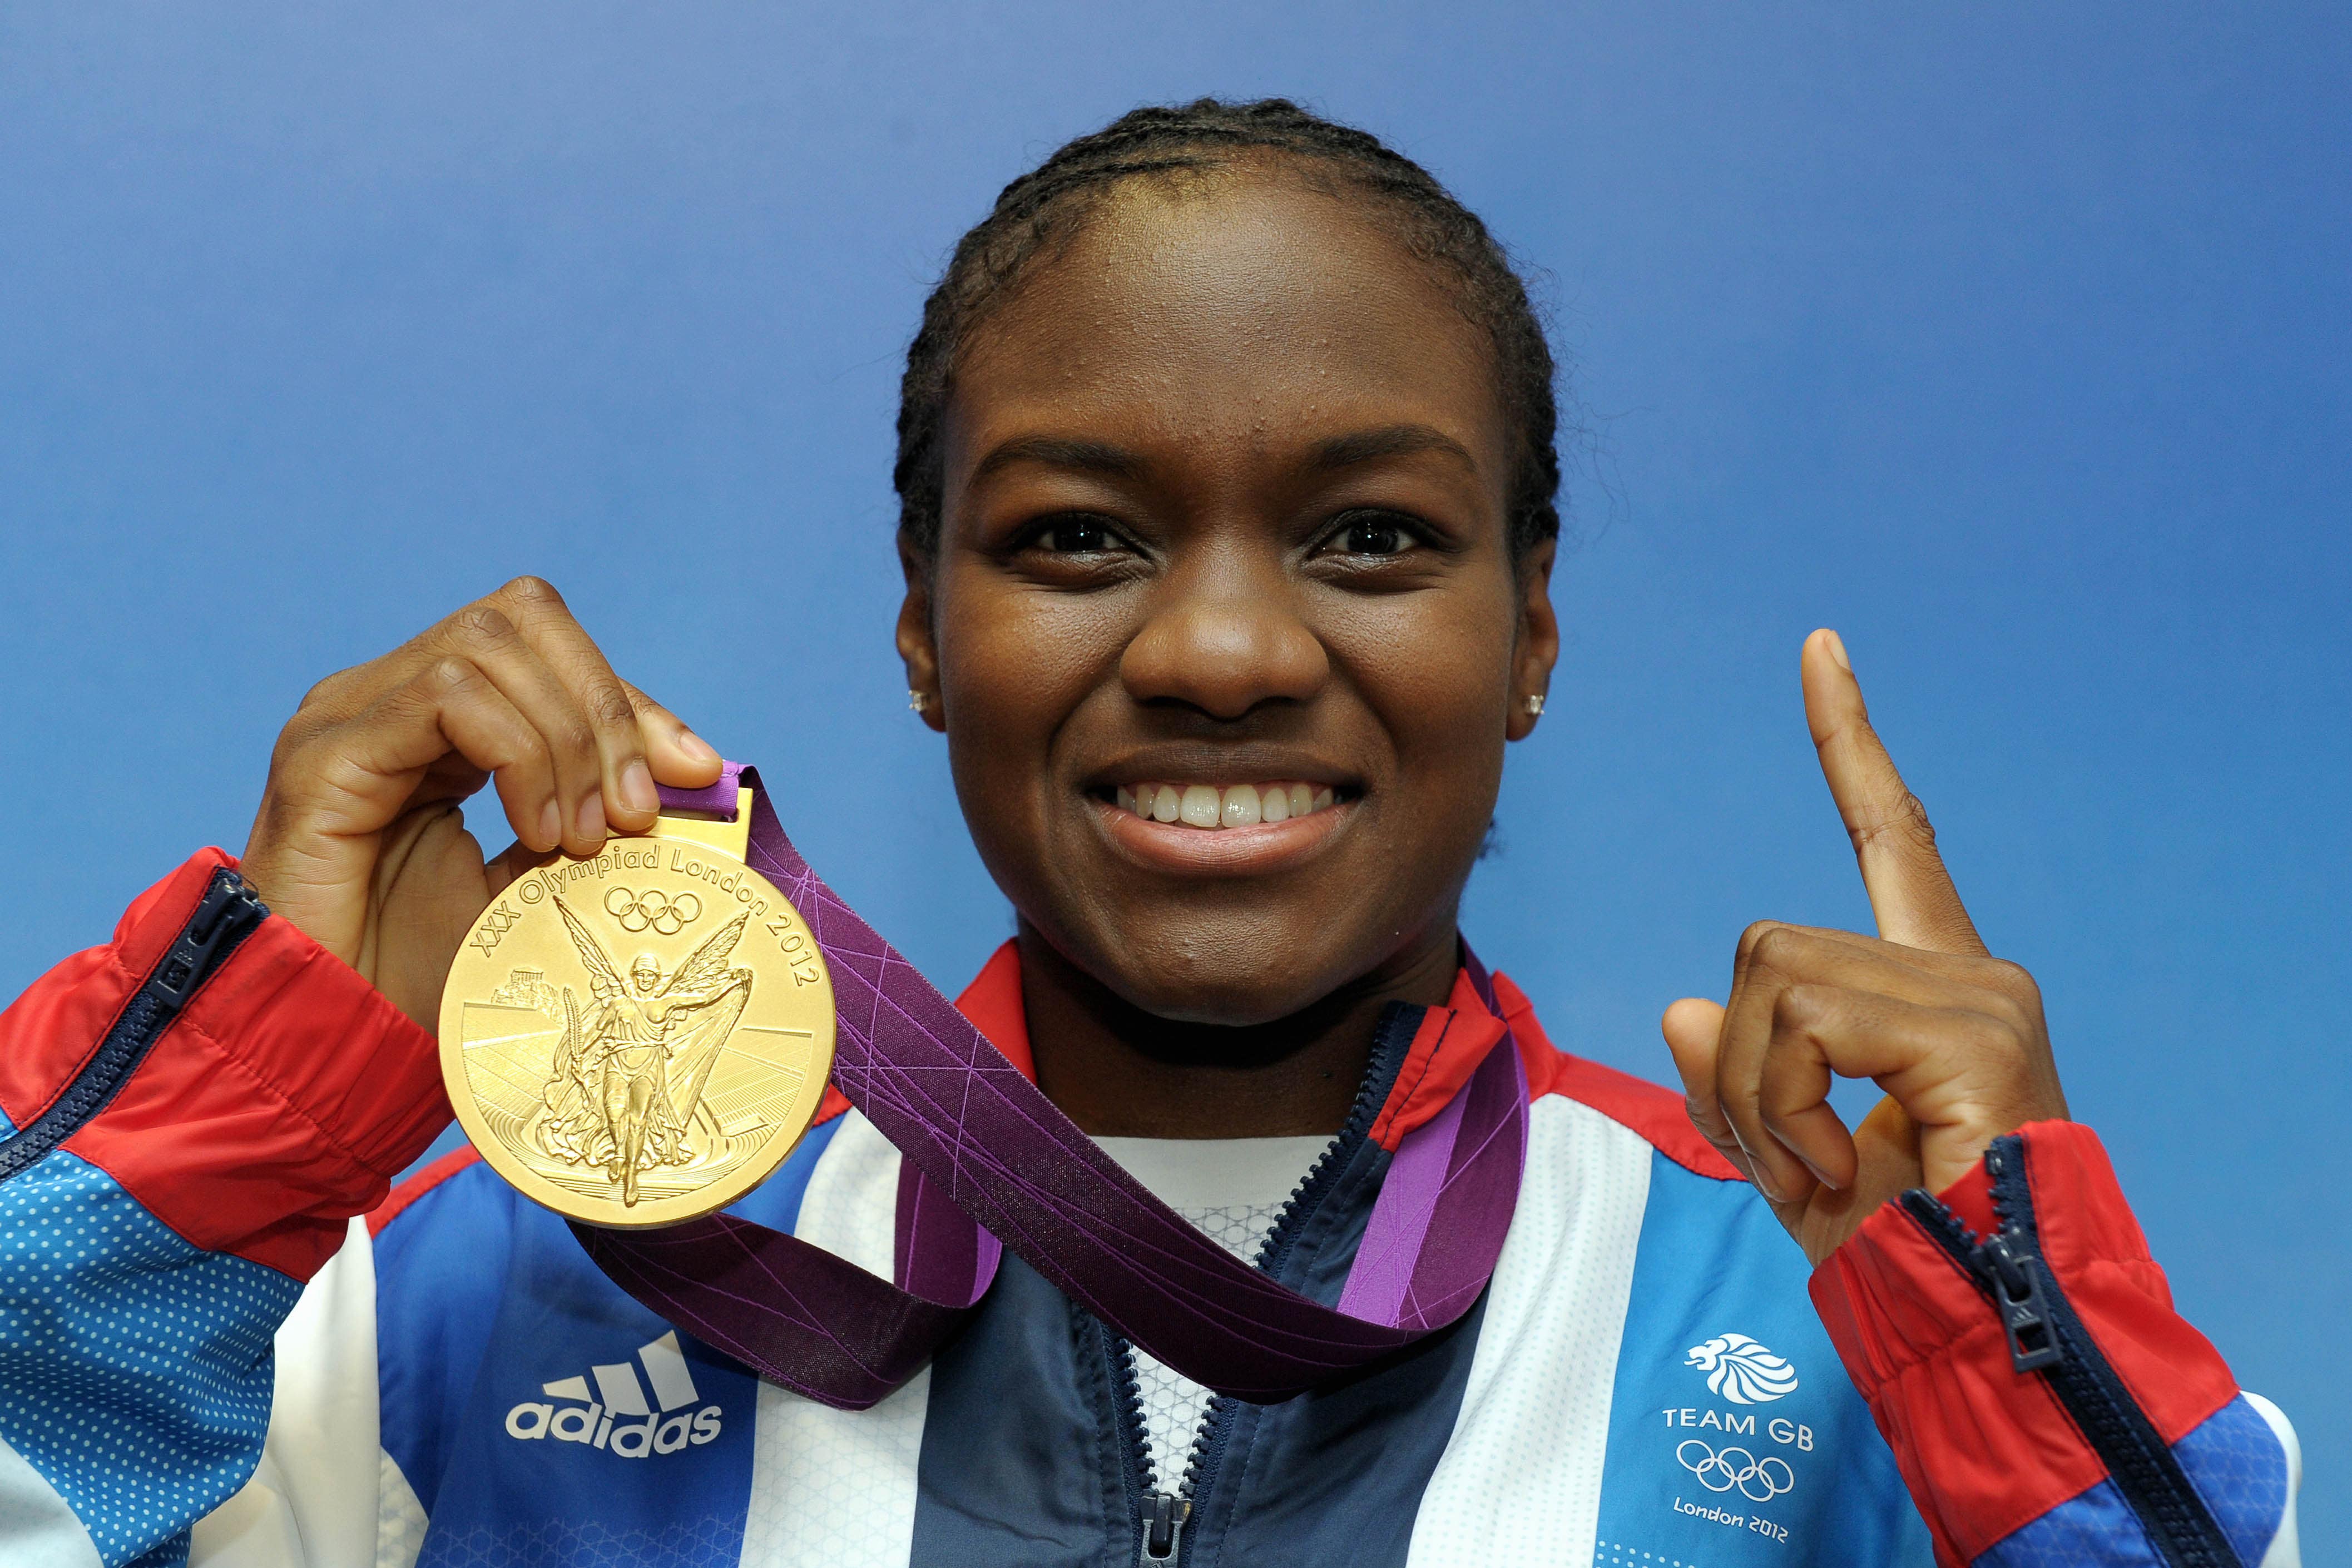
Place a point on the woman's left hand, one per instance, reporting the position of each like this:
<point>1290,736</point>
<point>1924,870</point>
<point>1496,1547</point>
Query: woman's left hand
<point>1954,1035</point>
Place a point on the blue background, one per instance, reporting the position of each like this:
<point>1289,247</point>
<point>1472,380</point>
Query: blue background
<point>2015,344</point>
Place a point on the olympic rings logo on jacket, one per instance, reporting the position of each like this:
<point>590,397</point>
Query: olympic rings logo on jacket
<point>1759,1480</point>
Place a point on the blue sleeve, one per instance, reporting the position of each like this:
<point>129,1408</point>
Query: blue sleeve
<point>190,1115</point>
<point>135,1369</point>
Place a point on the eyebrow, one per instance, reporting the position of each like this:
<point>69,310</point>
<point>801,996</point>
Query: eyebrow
<point>1390,441</point>
<point>1338,452</point>
<point>1064,452</point>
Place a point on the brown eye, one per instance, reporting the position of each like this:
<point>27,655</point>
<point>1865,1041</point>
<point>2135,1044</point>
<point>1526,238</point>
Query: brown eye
<point>1076,535</point>
<point>1375,533</point>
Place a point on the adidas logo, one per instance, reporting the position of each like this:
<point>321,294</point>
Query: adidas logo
<point>616,1416</point>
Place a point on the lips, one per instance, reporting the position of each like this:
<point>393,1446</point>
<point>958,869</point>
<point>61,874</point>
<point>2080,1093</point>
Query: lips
<point>1218,831</point>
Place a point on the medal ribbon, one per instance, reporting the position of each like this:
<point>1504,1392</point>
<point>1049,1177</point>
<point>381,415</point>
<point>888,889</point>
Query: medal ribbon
<point>988,1157</point>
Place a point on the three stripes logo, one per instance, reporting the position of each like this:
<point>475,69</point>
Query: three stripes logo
<point>616,1415</point>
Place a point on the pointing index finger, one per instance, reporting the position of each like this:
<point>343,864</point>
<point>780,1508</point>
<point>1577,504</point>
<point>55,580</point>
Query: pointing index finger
<point>1911,894</point>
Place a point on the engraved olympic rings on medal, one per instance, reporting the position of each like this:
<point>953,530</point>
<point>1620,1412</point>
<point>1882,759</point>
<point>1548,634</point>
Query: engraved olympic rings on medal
<point>1720,1472</point>
<point>652,909</point>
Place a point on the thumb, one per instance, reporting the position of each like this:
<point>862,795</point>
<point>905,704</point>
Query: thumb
<point>1694,1031</point>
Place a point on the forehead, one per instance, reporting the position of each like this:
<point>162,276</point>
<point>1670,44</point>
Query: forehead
<point>1239,307</point>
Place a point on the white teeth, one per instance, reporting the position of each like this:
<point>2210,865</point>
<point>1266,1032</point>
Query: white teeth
<point>1230,806</point>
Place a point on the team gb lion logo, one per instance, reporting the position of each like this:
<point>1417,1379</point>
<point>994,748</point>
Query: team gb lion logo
<point>1742,1371</point>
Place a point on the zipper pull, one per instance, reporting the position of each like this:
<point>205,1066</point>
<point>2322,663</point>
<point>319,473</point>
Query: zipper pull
<point>228,894</point>
<point>1163,1526</point>
<point>2016,1280</point>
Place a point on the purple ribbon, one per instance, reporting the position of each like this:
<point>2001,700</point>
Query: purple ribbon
<point>991,1163</point>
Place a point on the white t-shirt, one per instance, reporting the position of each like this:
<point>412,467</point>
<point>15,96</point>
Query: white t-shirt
<point>1231,1190</point>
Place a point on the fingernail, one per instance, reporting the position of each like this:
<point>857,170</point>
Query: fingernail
<point>551,826</point>
<point>637,791</point>
<point>1820,1175</point>
<point>694,745</point>
<point>591,818</point>
<point>1836,645</point>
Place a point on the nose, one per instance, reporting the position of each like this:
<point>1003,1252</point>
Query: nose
<point>1224,639</point>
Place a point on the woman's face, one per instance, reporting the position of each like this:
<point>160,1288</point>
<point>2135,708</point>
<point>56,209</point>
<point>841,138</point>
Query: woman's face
<point>1224,489</point>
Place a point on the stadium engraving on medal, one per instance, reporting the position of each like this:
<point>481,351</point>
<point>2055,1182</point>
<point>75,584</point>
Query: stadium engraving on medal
<point>638,1037</point>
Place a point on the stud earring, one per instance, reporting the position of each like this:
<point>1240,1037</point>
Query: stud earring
<point>1535,706</point>
<point>917,700</point>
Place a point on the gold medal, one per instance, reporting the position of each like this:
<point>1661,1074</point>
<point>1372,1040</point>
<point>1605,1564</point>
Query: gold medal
<point>639,1038</point>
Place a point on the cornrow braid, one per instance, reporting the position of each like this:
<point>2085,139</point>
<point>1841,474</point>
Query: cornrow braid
<point>1044,209</point>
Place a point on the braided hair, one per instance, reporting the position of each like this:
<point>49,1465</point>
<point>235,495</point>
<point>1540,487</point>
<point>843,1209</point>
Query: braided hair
<point>1045,208</point>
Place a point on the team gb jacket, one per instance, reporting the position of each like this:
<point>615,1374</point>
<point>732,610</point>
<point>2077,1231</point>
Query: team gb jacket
<point>221,1341</point>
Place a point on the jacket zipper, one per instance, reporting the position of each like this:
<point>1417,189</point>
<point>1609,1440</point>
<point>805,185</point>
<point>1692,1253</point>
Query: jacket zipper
<point>1158,1516</point>
<point>229,914</point>
<point>2046,1336</point>
<point>1161,1515</point>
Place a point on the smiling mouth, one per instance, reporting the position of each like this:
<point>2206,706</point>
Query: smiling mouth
<point>1209,806</point>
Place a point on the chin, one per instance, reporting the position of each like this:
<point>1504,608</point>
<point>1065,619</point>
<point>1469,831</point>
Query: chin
<point>1221,971</point>
<point>1218,1000</point>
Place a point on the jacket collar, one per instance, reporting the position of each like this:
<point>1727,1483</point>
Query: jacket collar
<point>1448,1043</point>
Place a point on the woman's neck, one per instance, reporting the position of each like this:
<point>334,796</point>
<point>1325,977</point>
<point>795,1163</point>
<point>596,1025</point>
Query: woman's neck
<point>1119,1072</point>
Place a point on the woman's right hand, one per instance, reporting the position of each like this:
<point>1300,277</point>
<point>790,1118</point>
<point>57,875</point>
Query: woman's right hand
<point>359,841</point>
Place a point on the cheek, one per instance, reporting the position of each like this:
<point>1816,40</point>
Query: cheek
<point>1437,672</point>
<point>1014,663</point>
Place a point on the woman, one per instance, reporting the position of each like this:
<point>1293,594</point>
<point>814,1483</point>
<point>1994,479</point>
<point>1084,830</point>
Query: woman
<point>1226,462</point>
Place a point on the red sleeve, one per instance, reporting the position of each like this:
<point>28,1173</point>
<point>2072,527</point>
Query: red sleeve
<point>279,1101</point>
<point>1985,1448</point>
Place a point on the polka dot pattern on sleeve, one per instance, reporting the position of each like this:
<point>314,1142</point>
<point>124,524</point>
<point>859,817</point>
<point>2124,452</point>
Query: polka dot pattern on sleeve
<point>135,1368</point>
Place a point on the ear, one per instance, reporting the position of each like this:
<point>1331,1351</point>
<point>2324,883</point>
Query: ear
<point>1537,647</point>
<point>917,646</point>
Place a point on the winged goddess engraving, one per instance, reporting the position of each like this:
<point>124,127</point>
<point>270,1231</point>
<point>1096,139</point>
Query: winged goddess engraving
<point>629,1071</point>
